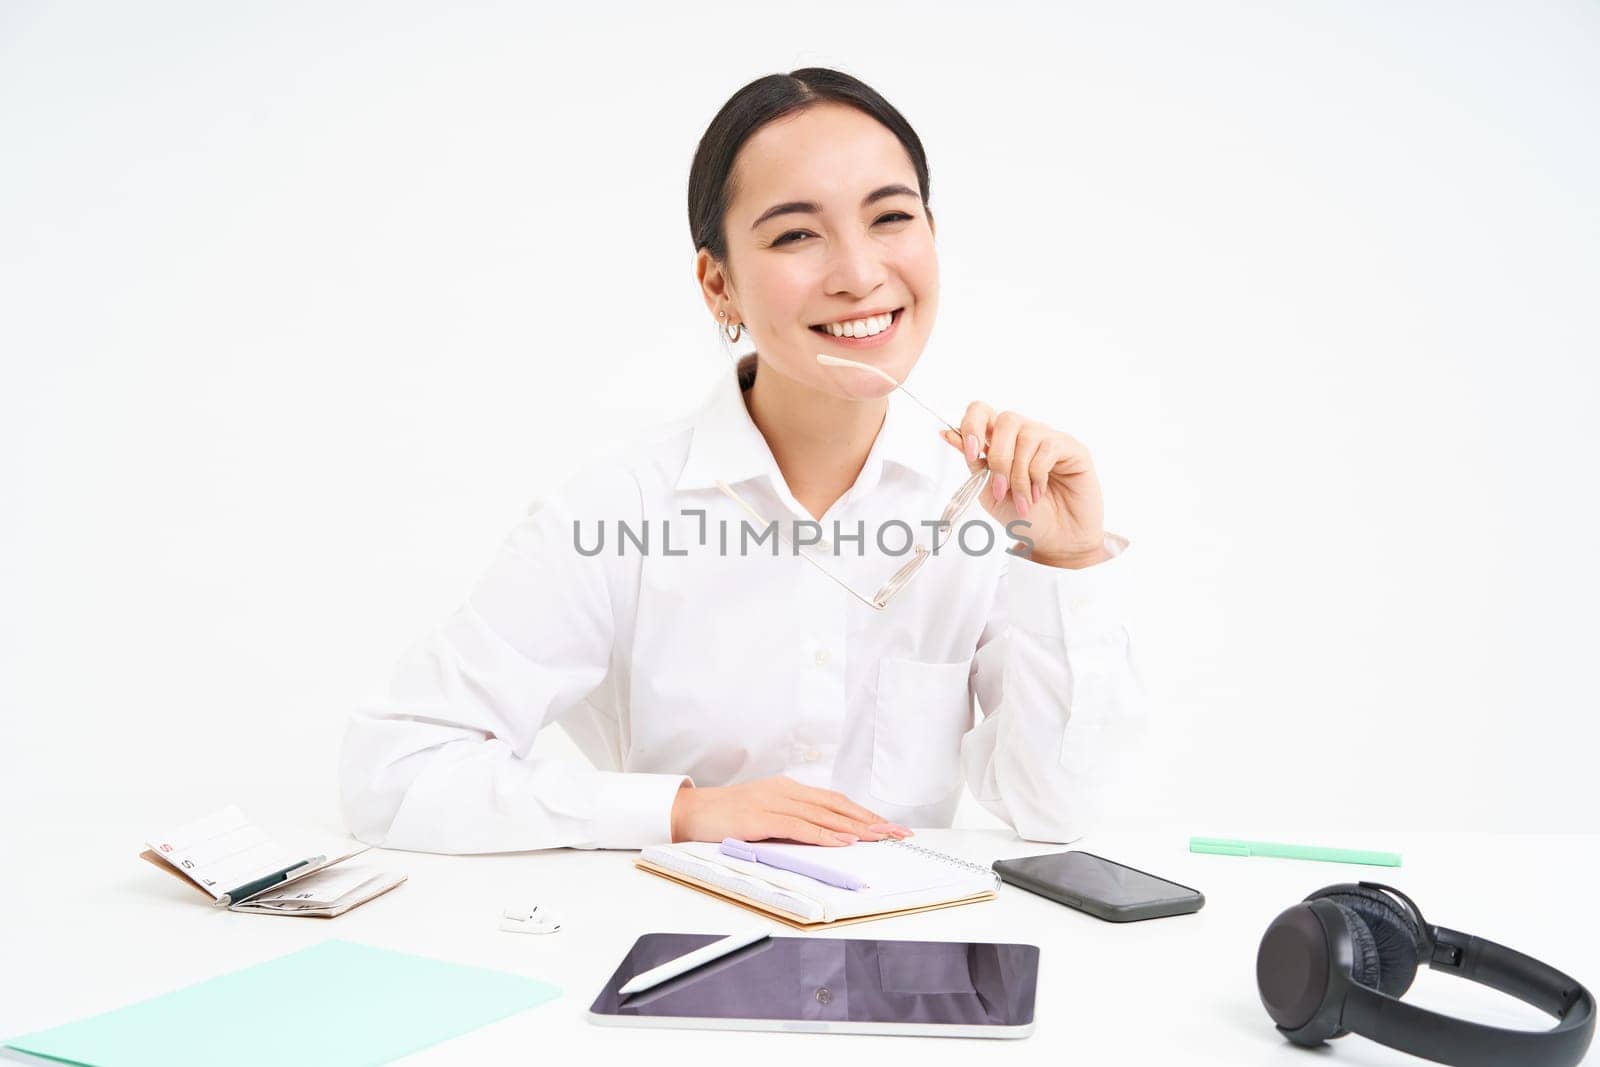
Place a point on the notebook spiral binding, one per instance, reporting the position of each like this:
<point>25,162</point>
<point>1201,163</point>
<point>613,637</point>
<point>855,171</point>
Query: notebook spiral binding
<point>945,857</point>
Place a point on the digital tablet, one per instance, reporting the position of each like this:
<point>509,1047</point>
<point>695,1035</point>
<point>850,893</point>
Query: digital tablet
<point>832,985</point>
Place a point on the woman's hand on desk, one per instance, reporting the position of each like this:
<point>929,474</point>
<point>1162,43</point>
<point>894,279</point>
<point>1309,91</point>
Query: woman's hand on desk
<point>776,808</point>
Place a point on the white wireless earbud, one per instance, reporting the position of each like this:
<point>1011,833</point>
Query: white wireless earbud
<point>529,920</point>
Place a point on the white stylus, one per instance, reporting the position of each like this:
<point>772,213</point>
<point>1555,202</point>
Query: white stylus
<point>690,960</point>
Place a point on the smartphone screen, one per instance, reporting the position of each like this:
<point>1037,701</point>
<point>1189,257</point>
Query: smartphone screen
<point>1108,882</point>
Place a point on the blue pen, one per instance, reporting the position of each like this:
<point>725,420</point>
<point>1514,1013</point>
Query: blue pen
<point>741,850</point>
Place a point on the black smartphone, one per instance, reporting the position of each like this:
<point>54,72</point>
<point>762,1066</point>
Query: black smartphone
<point>1104,888</point>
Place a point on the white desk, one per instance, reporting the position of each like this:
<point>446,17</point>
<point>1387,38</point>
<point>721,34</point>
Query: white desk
<point>108,930</point>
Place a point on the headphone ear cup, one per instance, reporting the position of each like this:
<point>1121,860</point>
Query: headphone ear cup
<point>1366,966</point>
<point>1292,968</point>
<point>1294,964</point>
<point>1399,942</point>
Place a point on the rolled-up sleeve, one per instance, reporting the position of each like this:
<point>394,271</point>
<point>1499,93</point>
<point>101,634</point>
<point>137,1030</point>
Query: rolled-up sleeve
<point>442,761</point>
<point>1063,700</point>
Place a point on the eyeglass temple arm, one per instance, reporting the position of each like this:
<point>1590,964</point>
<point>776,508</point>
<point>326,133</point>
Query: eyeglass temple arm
<point>841,583</point>
<point>982,450</point>
<point>953,429</point>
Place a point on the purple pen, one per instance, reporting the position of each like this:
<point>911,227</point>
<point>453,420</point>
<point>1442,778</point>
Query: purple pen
<point>741,850</point>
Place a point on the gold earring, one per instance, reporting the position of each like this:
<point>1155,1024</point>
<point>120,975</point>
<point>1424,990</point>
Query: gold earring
<point>738,328</point>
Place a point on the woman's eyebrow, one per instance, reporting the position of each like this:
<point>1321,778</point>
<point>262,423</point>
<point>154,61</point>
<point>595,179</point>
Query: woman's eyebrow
<point>810,207</point>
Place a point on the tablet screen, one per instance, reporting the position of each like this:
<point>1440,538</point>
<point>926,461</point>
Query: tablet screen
<point>819,983</point>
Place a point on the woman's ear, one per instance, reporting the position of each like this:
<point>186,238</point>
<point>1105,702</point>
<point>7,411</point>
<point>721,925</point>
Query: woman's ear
<point>709,276</point>
<point>714,282</point>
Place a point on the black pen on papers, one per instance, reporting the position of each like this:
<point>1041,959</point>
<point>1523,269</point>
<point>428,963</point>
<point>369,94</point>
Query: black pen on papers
<point>266,881</point>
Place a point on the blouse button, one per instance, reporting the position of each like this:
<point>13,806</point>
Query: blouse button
<point>812,755</point>
<point>821,656</point>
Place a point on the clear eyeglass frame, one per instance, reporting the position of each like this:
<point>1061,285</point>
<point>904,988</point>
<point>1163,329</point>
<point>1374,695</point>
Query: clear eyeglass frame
<point>945,528</point>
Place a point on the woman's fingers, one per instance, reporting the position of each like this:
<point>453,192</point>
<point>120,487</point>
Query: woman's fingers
<point>837,802</point>
<point>794,828</point>
<point>1002,449</point>
<point>1029,441</point>
<point>840,804</point>
<point>1022,453</point>
<point>1044,460</point>
<point>976,425</point>
<point>832,820</point>
<point>1009,443</point>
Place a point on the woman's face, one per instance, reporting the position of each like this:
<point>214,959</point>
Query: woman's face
<point>826,226</point>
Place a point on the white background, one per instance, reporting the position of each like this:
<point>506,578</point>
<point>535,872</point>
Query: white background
<point>301,307</point>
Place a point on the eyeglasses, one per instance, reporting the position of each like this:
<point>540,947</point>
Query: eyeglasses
<point>958,505</point>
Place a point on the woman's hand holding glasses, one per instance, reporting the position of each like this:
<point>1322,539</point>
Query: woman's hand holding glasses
<point>1040,475</point>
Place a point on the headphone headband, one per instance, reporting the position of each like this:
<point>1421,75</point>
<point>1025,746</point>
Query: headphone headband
<point>1446,1039</point>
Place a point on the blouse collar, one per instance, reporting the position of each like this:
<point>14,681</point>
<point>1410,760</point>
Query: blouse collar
<point>726,445</point>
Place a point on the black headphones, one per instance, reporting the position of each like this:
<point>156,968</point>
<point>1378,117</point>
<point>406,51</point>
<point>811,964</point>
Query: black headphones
<point>1338,962</point>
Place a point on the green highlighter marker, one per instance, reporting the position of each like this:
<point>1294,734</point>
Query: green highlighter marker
<point>1221,846</point>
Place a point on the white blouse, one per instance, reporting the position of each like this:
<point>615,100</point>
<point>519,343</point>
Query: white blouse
<point>666,658</point>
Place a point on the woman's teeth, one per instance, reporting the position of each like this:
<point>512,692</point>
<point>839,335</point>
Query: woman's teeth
<point>860,327</point>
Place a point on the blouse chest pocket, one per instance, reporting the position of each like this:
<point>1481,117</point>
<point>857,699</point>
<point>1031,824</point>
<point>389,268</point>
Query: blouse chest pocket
<point>923,711</point>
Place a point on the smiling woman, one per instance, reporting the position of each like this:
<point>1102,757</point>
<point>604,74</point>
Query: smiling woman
<point>808,205</point>
<point>723,693</point>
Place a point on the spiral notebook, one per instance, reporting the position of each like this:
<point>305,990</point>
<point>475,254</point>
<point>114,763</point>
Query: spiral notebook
<point>904,878</point>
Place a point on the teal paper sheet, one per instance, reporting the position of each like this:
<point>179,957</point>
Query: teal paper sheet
<point>335,1004</point>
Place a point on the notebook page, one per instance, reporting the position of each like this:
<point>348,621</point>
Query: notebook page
<point>679,858</point>
<point>324,887</point>
<point>222,851</point>
<point>896,876</point>
<point>375,886</point>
